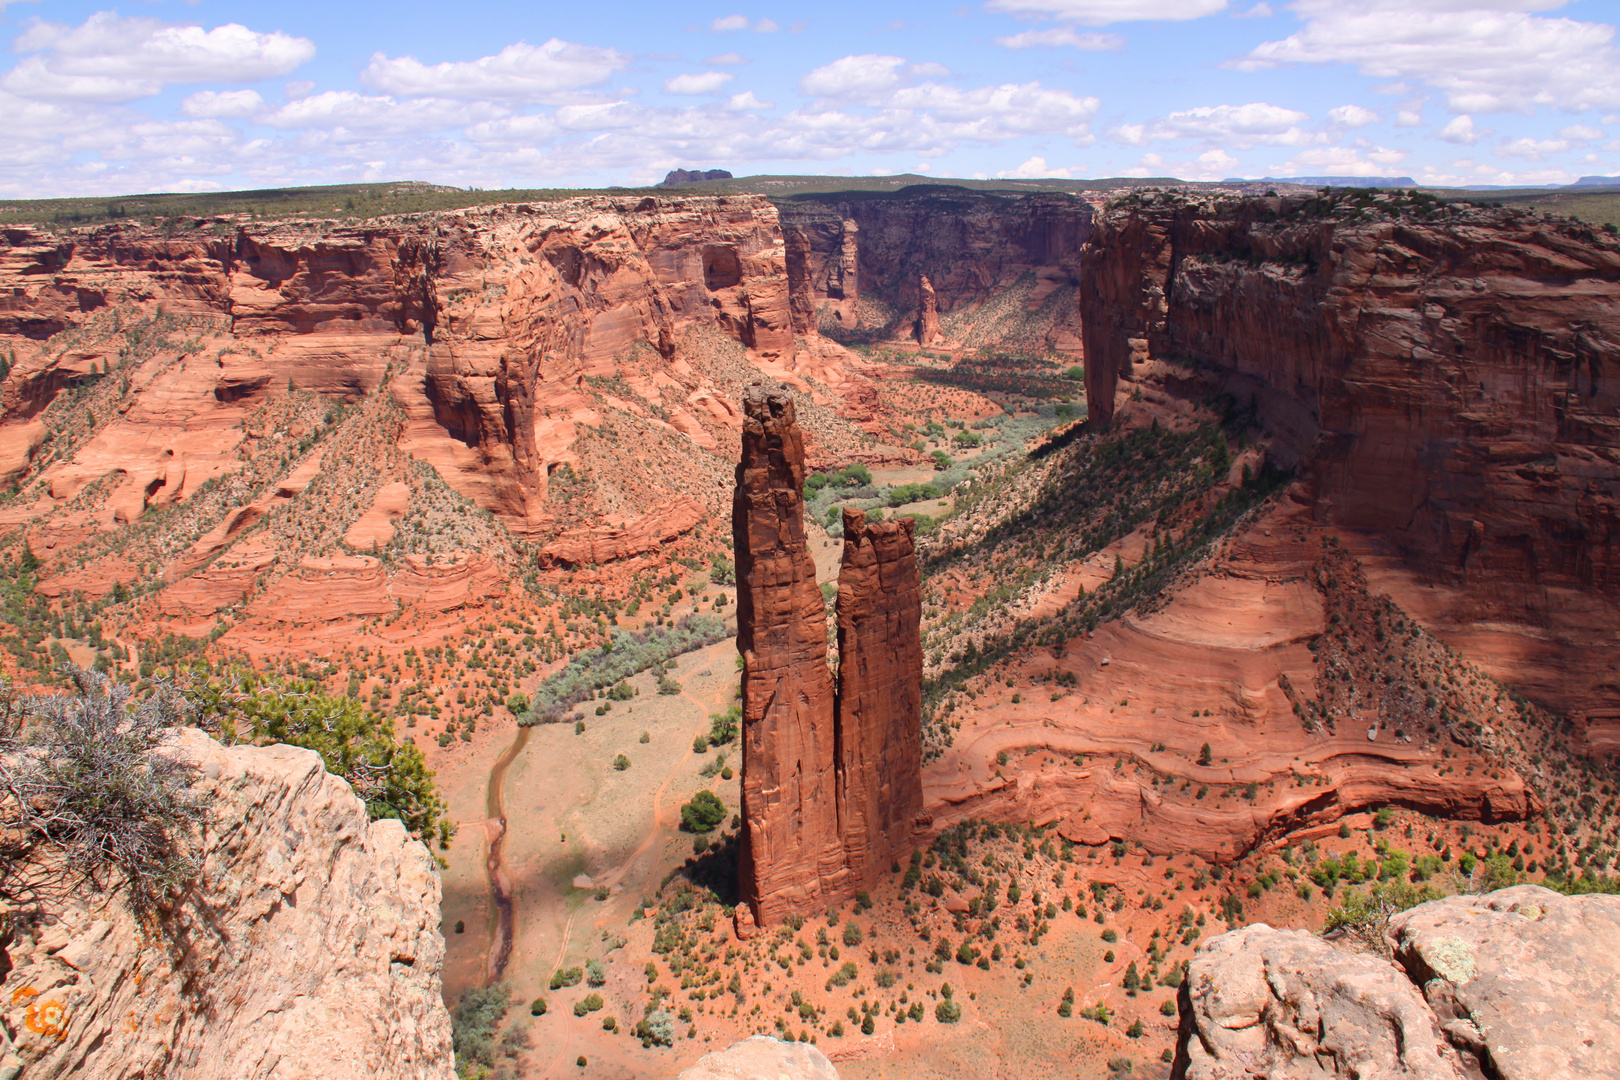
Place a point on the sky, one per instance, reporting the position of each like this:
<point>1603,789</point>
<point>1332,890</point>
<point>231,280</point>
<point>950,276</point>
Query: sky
<point>168,95</point>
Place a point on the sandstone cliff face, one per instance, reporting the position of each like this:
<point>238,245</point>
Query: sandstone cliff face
<point>484,321</point>
<point>1513,984</point>
<point>831,789</point>
<point>879,709</point>
<point>309,947</point>
<point>791,858</point>
<point>928,313</point>
<point>969,245</point>
<point>1448,381</point>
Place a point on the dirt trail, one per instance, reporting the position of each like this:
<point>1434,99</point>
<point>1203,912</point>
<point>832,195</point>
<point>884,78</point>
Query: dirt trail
<point>500,888</point>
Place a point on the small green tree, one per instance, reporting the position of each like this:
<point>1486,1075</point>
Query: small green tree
<point>703,813</point>
<point>621,763</point>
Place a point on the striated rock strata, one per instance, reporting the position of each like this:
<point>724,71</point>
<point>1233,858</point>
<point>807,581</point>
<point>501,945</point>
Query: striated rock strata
<point>309,947</point>
<point>831,790</point>
<point>1514,984</point>
<point>879,705</point>
<point>1450,379</point>
<point>791,857</point>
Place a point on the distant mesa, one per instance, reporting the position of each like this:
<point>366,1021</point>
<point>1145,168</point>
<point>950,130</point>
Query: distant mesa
<point>676,177</point>
<point>1598,181</point>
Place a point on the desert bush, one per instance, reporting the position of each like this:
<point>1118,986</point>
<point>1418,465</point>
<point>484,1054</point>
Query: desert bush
<point>703,813</point>
<point>473,1022</point>
<point>628,654</point>
<point>87,794</point>
<point>390,776</point>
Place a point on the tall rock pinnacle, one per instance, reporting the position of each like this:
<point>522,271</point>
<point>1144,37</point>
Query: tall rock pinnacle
<point>831,794</point>
<point>790,857</point>
<point>879,709</point>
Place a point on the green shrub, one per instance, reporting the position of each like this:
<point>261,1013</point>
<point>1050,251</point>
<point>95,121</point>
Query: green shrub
<point>947,1011</point>
<point>621,763</point>
<point>537,1007</point>
<point>588,1004</point>
<point>703,813</point>
<point>473,1022</point>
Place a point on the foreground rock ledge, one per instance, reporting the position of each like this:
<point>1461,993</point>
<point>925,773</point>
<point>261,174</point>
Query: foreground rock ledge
<point>1517,985</point>
<point>310,947</point>
<point>762,1058</point>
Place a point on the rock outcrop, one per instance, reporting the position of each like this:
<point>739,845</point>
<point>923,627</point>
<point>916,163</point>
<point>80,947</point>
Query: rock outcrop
<point>927,314</point>
<point>1523,979</point>
<point>831,789</point>
<point>309,947</point>
<point>762,1058</point>
<point>1448,378</point>
<point>1514,984</point>
<point>791,857</point>
<point>879,708</point>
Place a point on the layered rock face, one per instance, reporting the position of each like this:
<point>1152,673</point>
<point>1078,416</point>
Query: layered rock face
<point>1514,984</point>
<point>1449,380</point>
<point>969,246</point>
<point>831,790</point>
<point>308,947</point>
<point>482,322</point>
<point>791,856</point>
<point>879,695</point>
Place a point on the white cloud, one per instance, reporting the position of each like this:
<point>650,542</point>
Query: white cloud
<point>1580,133</point>
<point>111,58</point>
<point>1035,169</point>
<point>346,115</point>
<point>747,101</point>
<point>1239,127</point>
<point>1534,149</point>
<point>1060,36</point>
<point>1352,116</point>
<point>299,89</point>
<point>1103,12</point>
<point>866,76</point>
<point>731,23</point>
<point>703,82</point>
<point>1486,55</point>
<point>1261,10</point>
<point>1461,131</point>
<point>1407,118</point>
<point>1344,161</point>
<point>223,103</point>
<point>728,59</point>
<point>553,71</point>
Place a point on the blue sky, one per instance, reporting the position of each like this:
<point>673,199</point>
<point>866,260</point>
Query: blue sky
<point>169,95</point>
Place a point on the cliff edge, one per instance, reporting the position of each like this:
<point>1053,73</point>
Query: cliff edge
<point>308,947</point>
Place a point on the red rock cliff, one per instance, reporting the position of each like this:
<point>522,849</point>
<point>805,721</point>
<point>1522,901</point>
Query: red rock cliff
<point>970,245</point>
<point>791,858</point>
<point>1450,379</point>
<point>879,711</point>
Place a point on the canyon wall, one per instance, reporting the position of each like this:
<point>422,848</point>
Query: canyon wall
<point>485,322</point>
<point>831,787</point>
<point>1449,378</point>
<point>879,704</point>
<point>309,946</point>
<point>969,245</point>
